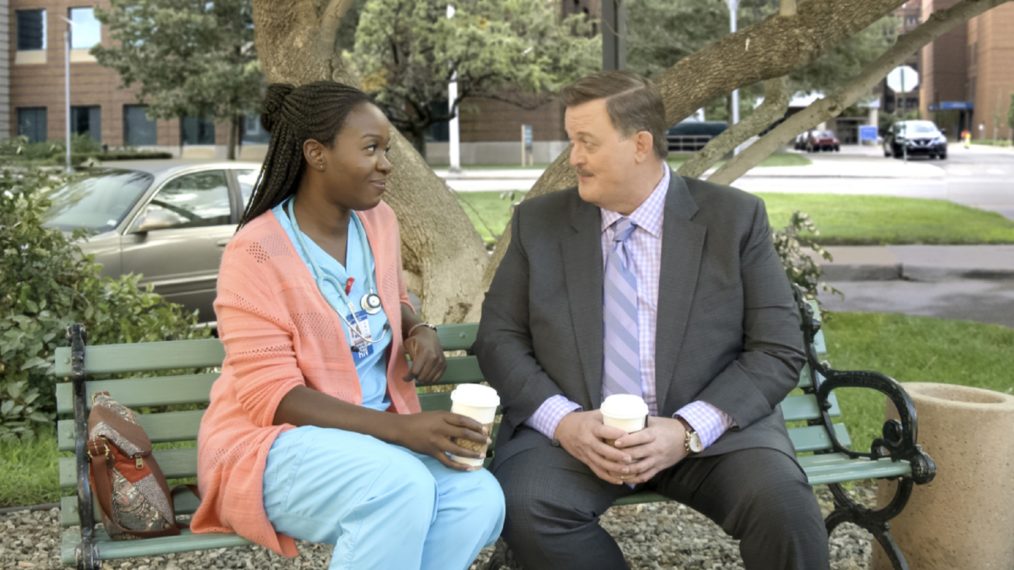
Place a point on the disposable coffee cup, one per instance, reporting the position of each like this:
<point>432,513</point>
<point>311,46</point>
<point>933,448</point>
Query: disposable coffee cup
<point>479,403</point>
<point>625,411</point>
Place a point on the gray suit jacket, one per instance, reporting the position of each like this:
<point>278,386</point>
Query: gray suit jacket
<point>727,332</point>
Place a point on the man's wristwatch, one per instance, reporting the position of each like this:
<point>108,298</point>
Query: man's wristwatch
<point>691,441</point>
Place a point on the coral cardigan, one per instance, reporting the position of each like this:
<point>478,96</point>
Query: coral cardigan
<point>280,333</point>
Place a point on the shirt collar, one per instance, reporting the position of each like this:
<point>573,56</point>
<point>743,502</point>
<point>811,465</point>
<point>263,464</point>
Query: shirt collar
<point>647,216</point>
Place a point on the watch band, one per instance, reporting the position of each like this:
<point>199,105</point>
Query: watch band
<point>413,328</point>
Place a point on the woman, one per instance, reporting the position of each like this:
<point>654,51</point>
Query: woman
<point>299,440</point>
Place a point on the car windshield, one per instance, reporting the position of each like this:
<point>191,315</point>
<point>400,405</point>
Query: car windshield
<point>98,203</point>
<point>824,134</point>
<point>921,128</point>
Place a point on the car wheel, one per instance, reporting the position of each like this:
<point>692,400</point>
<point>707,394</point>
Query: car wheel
<point>887,151</point>
<point>837,148</point>
<point>942,156</point>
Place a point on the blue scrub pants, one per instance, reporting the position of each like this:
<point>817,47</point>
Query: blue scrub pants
<point>380,505</point>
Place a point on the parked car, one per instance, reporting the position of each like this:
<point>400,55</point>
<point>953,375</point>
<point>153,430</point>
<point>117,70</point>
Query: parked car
<point>168,222</point>
<point>915,138</point>
<point>820,140</point>
<point>691,136</point>
<point>799,143</point>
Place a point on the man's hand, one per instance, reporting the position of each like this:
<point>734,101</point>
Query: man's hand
<point>658,446</point>
<point>582,435</point>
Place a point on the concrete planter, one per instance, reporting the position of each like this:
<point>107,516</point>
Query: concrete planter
<point>964,518</point>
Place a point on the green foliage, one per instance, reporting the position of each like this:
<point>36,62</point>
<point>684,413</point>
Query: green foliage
<point>791,243</point>
<point>45,285</point>
<point>518,51</point>
<point>189,58</point>
<point>83,149</point>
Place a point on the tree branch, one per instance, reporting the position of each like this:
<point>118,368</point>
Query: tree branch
<point>776,100</point>
<point>832,105</point>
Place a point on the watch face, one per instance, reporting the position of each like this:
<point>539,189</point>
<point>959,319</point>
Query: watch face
<point>694,443</point>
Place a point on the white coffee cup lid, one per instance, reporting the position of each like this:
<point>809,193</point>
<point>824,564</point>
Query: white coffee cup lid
<point>624,406</point>
<point>475,395</point>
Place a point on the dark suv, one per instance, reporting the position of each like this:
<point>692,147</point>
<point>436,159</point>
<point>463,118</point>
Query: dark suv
<point>915,138</point>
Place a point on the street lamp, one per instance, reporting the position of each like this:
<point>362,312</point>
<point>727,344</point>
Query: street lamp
<point>454,141</point>
<point>66,89</point>
<point>733,8</point>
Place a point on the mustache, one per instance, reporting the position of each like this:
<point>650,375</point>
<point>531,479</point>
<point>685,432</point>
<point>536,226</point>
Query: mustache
<point>582,172</point>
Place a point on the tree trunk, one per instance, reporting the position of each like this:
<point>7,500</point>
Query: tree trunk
<point>234,125</point>
<point>443,255</point>
<point>832,105</point>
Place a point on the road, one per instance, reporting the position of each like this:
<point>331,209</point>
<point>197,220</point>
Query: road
<point>980,177</point>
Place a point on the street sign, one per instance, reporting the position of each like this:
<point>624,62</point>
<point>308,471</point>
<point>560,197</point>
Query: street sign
<point>867,134</point>
<point>903,79</point>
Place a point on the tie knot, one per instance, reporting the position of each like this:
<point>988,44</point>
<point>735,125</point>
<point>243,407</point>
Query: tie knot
<point>623,229</point>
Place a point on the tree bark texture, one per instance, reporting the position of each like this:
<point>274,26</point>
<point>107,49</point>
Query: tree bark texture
<point>443,255</point>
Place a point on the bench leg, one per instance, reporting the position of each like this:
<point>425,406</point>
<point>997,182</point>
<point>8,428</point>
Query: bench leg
<point>874,521</point>
<point>87,556</point>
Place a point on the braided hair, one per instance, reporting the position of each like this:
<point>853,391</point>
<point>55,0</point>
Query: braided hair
<point>293,115</point>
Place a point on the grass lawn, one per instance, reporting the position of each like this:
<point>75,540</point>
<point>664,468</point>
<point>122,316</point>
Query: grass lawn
<point>877,220</point>
<point>913,349</point>
<point>906,348</point>
<point>841,220</point>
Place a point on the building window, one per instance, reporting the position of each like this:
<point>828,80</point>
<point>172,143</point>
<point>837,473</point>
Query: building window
<point>87,121</point>
<point>197,130</point>
<point>253,131</point>
<point>86,31</point>
<point>138,129</point>
<point>32,123</point>
<point>31,30</point>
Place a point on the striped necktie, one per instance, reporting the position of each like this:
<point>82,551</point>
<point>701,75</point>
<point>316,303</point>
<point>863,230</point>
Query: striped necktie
<point>622,359</point>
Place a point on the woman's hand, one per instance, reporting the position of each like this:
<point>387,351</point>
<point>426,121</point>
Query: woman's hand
<point>433,434</point>
<point>428,363</point>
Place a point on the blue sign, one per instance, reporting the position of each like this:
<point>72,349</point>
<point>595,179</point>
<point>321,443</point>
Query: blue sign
<point>867,133</point>
<point>952,106</point>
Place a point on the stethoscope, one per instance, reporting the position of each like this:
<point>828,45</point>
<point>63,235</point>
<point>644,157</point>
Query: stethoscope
<point>370,302</point>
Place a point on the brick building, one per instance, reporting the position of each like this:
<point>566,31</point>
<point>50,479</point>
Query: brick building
<point>33,74</point>
<point>968,73</point>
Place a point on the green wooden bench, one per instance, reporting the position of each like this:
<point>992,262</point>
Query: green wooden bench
<point>812,412</point>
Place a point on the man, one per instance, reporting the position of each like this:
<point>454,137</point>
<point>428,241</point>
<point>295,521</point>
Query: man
<point>641,281</point>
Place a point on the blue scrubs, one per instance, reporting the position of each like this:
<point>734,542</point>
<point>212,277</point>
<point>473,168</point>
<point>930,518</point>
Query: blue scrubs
<point>381,505</point>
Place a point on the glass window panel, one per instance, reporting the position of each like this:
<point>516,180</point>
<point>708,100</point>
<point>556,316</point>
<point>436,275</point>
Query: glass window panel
<point>87,121</point>
<point>191,201</point>
<point>32,123</point>
<point>86,30</point>
<point>31,29</point>
<point>138,128</point>
<point>197,130</point>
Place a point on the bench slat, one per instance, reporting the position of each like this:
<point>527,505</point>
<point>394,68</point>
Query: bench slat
<point>185,504</point>
<point>136,392</point>
<point>814,438</point>
<point>175,463</point>
<point>145,356</point>
<point>838,468</point>
<point>163,427</point>
<point>110,549</point>
<point>457,336</point>
<point>804,407</point>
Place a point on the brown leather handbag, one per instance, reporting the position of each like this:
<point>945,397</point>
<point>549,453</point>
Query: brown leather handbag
<point>128,484</point>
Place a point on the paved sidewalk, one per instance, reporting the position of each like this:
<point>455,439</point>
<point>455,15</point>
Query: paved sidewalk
<point>919,262</point>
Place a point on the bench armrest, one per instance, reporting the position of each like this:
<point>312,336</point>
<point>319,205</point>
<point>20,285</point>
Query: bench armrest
<point>899,441</point>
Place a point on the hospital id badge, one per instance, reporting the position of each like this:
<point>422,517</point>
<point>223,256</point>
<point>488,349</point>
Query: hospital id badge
<point>359,327</point>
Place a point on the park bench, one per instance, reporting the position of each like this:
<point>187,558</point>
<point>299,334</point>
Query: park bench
<point>170,408</point>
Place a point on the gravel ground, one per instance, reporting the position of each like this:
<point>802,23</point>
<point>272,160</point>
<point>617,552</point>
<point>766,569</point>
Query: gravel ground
<point>652,536</point>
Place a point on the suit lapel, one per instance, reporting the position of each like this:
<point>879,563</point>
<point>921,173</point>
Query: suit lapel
<point>682,247</point>
<point>582,258</point>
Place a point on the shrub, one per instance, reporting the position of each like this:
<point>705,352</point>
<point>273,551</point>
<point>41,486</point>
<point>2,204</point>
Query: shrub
<point>46,284</point>
<point>791,243</point>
